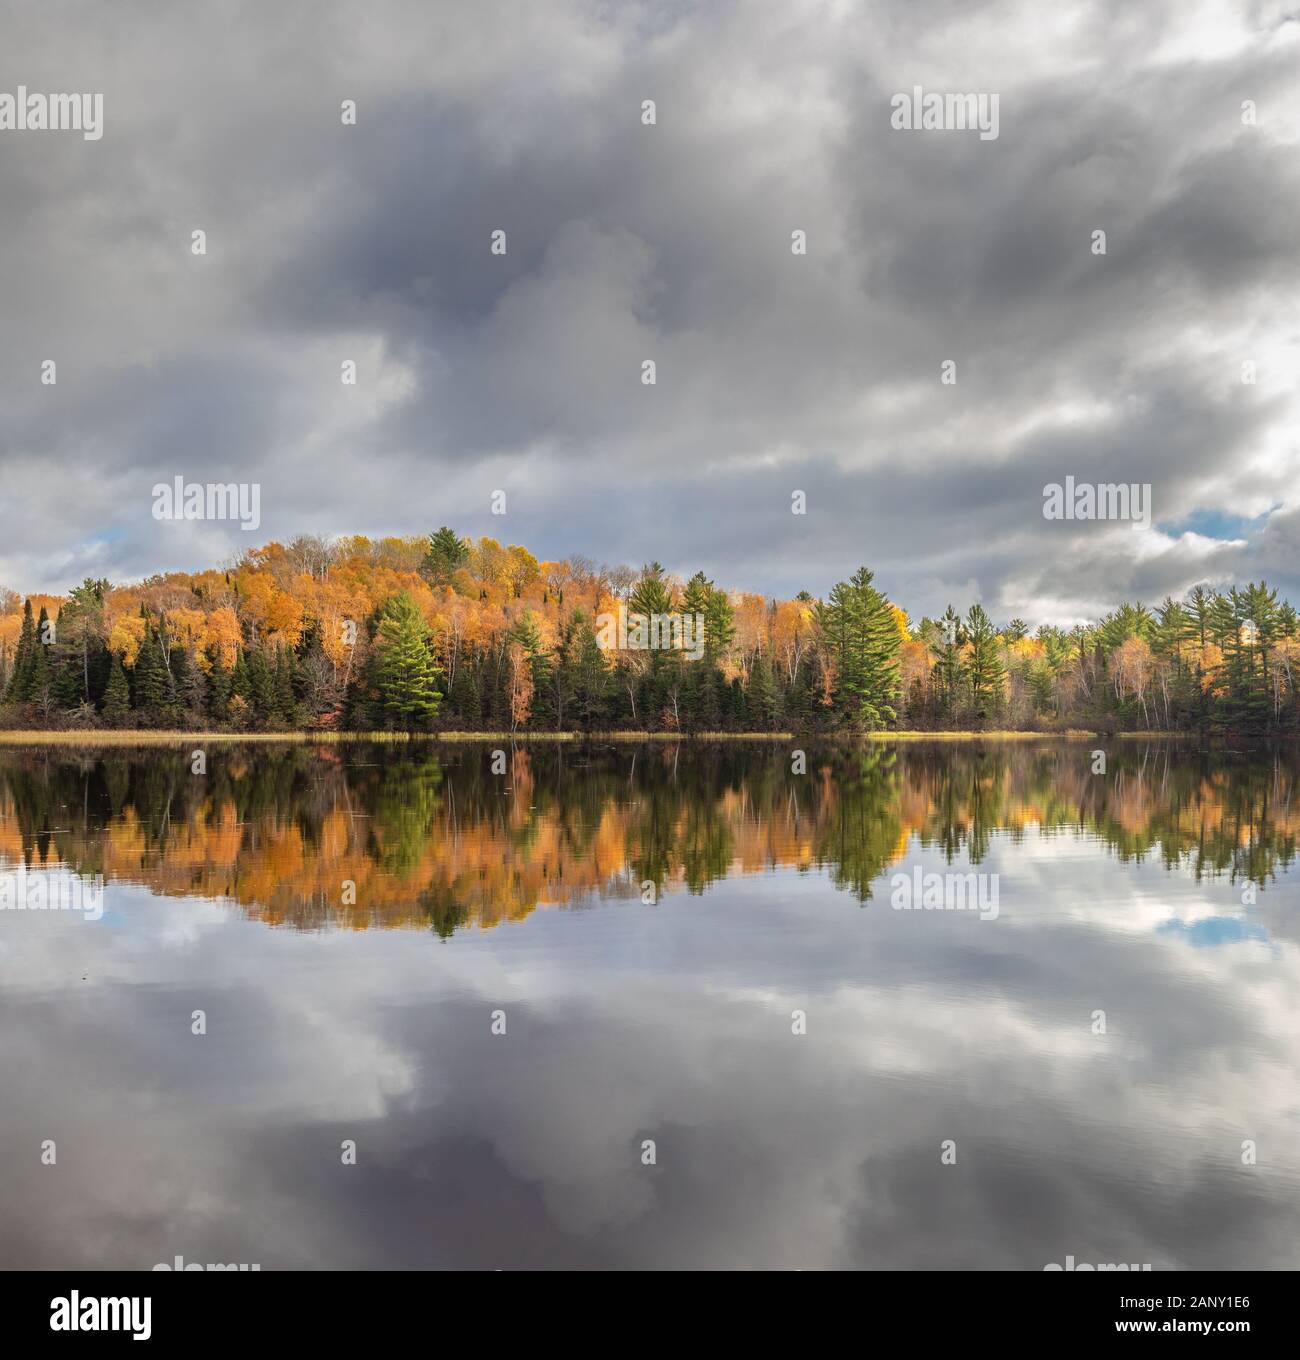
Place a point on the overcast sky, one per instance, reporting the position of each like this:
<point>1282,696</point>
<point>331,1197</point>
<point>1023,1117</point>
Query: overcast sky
<point>670,242</point>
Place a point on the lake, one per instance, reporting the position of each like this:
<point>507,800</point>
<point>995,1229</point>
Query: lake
<point>893,1006</point>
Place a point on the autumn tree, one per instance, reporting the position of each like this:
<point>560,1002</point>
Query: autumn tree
<point>519,685</point>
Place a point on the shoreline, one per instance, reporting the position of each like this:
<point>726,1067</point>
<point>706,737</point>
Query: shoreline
<point>128,738</point>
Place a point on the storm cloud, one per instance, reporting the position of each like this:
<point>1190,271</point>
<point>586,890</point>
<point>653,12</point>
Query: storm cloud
<point>671,242</point>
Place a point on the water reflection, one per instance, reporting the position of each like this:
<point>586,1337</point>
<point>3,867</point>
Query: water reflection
<point>1125,893</point>
<point>433,837</point>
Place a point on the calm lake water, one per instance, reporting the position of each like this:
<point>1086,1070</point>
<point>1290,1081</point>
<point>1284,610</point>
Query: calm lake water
<point>349,919</point>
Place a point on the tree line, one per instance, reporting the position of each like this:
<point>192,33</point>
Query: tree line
<point>449,633</point>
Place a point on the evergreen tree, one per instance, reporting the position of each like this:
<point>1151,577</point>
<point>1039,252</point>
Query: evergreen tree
<point>651,595</point>
<point>984,669</point>
<point>79,653</point>
<point>446,555</point>
<point>859,626</point>
<point>241,684</point>
<point>406,671</point>
<point>117,696</point>
<point>948,669</point>
<point>592,681</point>
<point>151,685</point>
<point>285,708</point>
<point>20,682</point>
<point>761,697</point>
<point>701,599</point>
<point>220,681</point>
<point>464,696</point>
<point>41,683</point>
<point>189,685</point>
<point>261,685</point>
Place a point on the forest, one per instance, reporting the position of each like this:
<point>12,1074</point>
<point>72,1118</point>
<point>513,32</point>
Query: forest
<point>444,633</point>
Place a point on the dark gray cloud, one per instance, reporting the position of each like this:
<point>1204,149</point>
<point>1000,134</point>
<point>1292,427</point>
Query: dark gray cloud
<point>671,243</point>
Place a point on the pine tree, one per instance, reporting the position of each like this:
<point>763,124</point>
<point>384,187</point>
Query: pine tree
<point>446,555</point>
<point>948,668</point>
<point>859,626</point>
<point>651,595</point>
<point>984,669</point>
<point>77,656</point>
<point>702,599</point>
<point>406,672</point>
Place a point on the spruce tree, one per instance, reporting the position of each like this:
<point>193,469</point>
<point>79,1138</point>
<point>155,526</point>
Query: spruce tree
<point>261,686</point>
<point>151,685</point>
<point>41,679</point>
<point>286,701</point>
<point>117,696</point>
<point>592,681</point>
<point>761,697</point>
<point>219,691</point>
<point>241,685</point>
<point>20,682</point>
<point>464,695</point>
